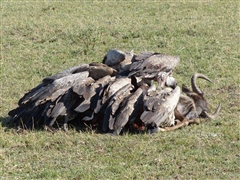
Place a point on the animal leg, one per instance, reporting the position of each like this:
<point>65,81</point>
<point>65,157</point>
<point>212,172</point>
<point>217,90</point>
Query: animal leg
<point>183,123</point>
<point>178,115</point>
<point>65,127</point>
<point>65,124</point>
<point>194,121</point>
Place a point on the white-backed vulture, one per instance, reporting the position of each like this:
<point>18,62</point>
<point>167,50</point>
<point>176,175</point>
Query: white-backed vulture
<point>159,108</point>
<point>128,111</point>
<point>153,66</point>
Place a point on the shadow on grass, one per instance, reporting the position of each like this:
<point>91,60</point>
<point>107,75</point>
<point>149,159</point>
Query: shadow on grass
<point>77,126</point>
<point>72,126</point>
<point>3,121</point>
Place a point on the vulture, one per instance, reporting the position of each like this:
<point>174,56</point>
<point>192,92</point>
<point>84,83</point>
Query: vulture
<point>115,95</point>
<point>159,108</point>
<point>61,95</point>
<point>129,110</point>
<point>153,66</point>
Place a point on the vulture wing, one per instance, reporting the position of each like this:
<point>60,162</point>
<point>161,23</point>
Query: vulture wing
<point>96,97</point>
<point>44,92</point>
<point>153,66</point>
<point>148,64</point>
<point>128,110</point>
<point>71,70</point>
<point>114,101</point>
<point>159,108</point>
<point>36,105</point>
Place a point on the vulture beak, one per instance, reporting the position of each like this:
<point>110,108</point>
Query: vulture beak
<point>161,79</point>
<point>161,83</point>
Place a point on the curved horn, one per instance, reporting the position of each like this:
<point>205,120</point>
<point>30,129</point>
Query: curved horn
<point>195,88</point>
<point>215,115</point>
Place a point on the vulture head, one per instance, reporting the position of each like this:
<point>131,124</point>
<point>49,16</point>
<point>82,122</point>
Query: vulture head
<point>118,60</point>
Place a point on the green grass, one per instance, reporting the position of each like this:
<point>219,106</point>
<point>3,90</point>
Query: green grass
<point>44,37</point>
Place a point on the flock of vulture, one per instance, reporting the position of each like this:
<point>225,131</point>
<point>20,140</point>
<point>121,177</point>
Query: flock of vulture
<point>125,92</point>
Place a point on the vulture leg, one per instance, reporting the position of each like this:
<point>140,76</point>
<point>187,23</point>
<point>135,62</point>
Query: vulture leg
<point>52,122</point>
<point>178,115</point>
<point>65,125</point>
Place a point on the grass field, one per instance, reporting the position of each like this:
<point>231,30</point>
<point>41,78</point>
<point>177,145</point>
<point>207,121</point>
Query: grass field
<point>39,38</point>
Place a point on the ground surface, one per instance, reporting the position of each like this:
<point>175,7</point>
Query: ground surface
<point>41,38</point>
